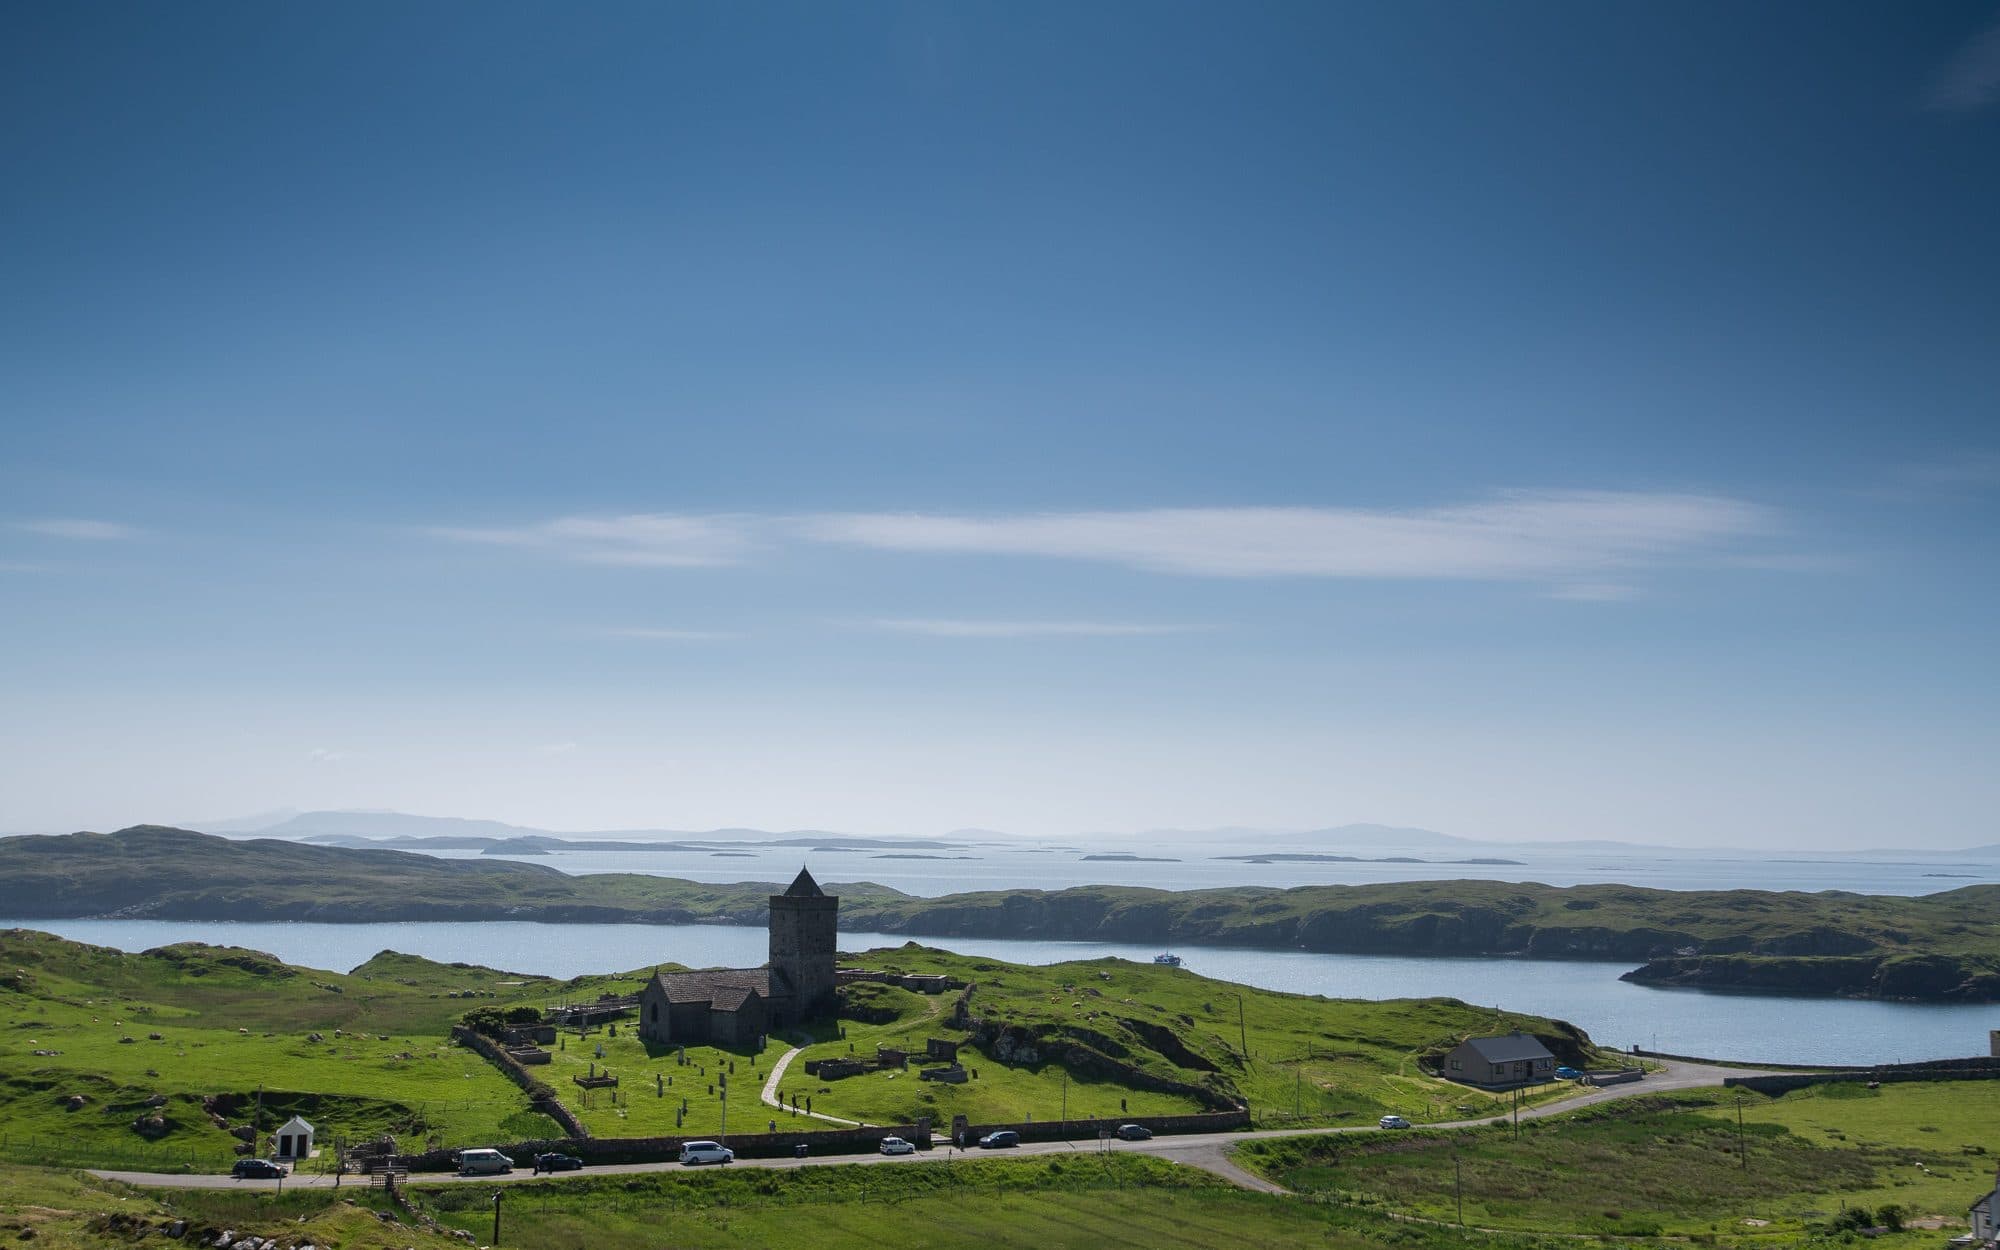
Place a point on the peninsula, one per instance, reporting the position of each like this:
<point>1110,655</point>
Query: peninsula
<point>1938,947</point>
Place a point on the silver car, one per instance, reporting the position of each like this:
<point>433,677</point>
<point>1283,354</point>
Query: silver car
<point>705,1152</point>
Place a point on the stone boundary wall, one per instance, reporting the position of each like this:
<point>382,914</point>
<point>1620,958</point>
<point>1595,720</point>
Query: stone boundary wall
<point>540,1096</point>
<point>917,981</point>
<point>1078,1130</point>
<point>601,1150</point>
<point>1890,1075</point>
<point>1982,1065</point>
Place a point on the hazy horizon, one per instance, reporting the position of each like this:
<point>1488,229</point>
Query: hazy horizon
<point>1527,422</point>
<point>1357,837</point>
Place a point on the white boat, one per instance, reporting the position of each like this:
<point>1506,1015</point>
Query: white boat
<point>1171,961</point>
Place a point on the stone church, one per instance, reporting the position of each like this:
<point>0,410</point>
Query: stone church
<point>736,1006</point>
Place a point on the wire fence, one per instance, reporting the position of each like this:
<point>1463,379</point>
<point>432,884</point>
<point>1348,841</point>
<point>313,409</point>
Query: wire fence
<point>70,1152</point>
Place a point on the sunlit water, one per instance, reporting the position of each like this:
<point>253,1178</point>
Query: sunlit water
<point>1729,1026</point>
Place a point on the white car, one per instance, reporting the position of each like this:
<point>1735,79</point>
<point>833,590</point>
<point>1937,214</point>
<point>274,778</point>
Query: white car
<point>705,1152</point>
<point>483,1163</point>
<point>1393,1121</point>
<point>897,1146</point>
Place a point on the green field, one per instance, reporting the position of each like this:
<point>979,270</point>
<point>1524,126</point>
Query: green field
<point>221,1038</point>
<point>59,1210</point>
<point>1086,1200</point>
<point>645,1101</point>
<point>1331,1060</point>
<point>1670,1165</point>
<point>220,1024</point>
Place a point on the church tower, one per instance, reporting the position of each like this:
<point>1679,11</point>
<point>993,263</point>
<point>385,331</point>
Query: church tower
<point>805,922</point>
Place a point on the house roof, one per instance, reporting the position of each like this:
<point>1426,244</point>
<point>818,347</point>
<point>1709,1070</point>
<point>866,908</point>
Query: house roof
<point>731,997</point>
<point>297,1124</point>
<point>723,989</point>
<point>803,886</point>
<point>1511,1048</point>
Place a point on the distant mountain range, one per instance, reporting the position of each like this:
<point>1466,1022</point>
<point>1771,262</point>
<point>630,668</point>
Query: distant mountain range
<point>436,833</point>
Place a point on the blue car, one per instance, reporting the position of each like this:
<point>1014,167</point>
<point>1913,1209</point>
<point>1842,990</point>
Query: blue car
<point>1567,1074</point>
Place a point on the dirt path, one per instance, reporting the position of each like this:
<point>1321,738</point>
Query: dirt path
<point>771,1098</point>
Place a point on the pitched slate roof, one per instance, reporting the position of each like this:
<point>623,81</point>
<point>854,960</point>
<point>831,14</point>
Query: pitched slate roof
<point>803,886</point>
<point>1512,1048</point>
<point>723,989</point>
<point>731,997</point>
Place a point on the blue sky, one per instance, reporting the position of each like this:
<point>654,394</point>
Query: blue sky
<point>1557,420</point>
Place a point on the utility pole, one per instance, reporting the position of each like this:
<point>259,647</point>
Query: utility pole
<point>1065,1096</point>
<point>1458,1183</point>
<point>496,1217</point>
<point>1742,1156</point>
<point>1517,1114</point>
<point>1298,1086</point>
<point>725,1108</point>
<point>1242,1034</point>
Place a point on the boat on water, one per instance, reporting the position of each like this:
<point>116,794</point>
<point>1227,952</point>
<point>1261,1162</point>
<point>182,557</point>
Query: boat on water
<point>1167,960</point>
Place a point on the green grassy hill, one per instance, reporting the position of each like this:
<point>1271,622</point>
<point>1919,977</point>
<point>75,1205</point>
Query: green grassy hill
<point>1103,1037</point>
<point>173,874</point>
<point>150,1060</point>
<point>1670,1166</point>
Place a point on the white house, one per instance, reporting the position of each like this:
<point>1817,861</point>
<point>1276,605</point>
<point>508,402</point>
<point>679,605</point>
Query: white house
<point>295,1139</point>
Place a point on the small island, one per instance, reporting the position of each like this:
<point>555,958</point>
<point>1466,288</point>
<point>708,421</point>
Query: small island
<point>1303,857</point>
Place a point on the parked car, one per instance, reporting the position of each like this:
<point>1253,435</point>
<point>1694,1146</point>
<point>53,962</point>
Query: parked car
<point>998,1138</point>
<point>705,1152</point>
<point>557,1163</point>
<point>1393,1121</point>
<point>1134,1132</point>
<point>1568,1073</point>
<point>256,1170</point>
<point>897,1146</point>
<point>483,1163</point>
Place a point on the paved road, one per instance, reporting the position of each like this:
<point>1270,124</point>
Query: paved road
<point>1208,1151</point>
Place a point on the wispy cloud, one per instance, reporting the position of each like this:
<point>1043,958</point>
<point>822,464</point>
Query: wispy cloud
<point>1514,536</point>
<point>658,540</point>
<point>79,529</point>
<point>1564,537</point>
<point>1596,592</point>
<point>1029,629</point>
<point>1971,79</point>
<point>647,633</point>
<point>321,755</point>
